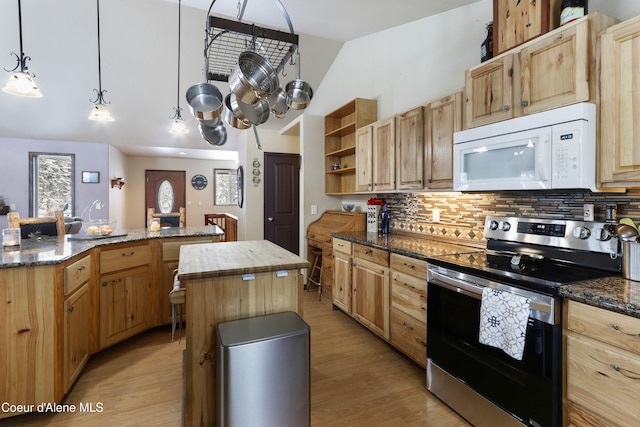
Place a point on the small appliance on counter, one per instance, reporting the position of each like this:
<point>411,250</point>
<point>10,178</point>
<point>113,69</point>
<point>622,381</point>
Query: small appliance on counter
<point>374,207</point>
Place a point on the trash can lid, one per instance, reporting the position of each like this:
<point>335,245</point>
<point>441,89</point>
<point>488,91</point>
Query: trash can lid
<point>261,328</point>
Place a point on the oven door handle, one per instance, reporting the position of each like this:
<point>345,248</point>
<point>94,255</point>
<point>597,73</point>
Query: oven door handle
<point>456,285</point>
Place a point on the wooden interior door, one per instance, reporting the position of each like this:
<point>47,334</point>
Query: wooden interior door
<point>164,191</point>
<point>282,200</point>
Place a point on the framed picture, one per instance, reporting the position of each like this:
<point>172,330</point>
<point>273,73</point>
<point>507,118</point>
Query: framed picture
<point>90,177</point>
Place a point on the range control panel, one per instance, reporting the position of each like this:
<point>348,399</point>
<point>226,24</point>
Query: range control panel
<point>569,234</point>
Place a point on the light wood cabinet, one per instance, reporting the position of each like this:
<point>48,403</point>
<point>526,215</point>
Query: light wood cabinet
<point>517,22</point>
<point>77,328</point>
<point>443,117</point>
<point>340,143</point>
<point>370,286</point>
<point>553,70</point>
<point>384,135</point>
<point>342,274</point>
<point>620,128</point>
<point>125,292</point>
<point>603,366</point>
<point>364,159</point>
<point>409,307</point>
<point>409,141</point>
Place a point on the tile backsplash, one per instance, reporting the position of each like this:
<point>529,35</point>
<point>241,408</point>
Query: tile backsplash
<point>462,214</point>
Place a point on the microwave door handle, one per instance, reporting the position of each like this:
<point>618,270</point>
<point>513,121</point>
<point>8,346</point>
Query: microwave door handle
<point>543,162</point>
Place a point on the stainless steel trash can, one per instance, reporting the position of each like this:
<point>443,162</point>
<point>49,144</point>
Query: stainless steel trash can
<point>262,372</point>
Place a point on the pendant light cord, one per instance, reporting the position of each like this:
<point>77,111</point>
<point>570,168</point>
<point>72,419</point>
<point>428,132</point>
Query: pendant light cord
<point>179,21</point>
<point>20,28</point>
<point>99,64</point>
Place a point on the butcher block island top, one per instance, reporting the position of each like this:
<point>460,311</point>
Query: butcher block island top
<point>233,258</point>
<point>229,281</point>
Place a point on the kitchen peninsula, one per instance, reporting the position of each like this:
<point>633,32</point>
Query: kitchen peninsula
<point>66,298</point>
<point>227,281</point>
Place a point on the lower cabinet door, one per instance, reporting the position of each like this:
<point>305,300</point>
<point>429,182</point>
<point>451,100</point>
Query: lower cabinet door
<point>409,336</point>
<point>124,304</point>
<point>77,322</point>
<point>370,296</point>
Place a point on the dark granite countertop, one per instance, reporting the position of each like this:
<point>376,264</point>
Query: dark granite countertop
<point>55,250</point>
<point>611,293</point>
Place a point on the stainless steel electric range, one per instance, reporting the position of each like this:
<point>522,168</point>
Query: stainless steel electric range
<point>527,258</point>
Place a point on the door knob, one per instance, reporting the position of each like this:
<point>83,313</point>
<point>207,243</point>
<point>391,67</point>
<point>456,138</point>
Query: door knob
<point>270,218</point>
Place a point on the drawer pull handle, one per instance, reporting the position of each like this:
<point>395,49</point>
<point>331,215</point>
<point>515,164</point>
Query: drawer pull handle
<point>409,286</point>
<point>407,326</point>
<point>629,374</point>
<point>409,265</point>
<point>82,268</point>
<point>617,328</point>
<point>369,252</point>
<point>129,254</point>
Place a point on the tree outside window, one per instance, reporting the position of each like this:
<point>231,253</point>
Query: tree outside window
<point>225,187</point>
<point>52,178</point>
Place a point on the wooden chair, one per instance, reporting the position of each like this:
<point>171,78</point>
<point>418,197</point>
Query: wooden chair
<point>228,223</point>
<point>172,219</point>
<point>44,226</point>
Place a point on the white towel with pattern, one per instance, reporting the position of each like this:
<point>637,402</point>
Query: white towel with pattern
<point>503,321</point>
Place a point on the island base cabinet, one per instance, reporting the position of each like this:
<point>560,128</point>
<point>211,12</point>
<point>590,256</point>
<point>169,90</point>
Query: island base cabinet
<point>77,320</point>
<point>124,304</point>
<point>28,336</point>
<point>220,299</point>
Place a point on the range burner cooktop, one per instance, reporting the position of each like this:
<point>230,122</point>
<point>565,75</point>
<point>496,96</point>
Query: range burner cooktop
<point>541,254</point>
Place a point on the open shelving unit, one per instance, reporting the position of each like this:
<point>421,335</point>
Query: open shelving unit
<point>340,143</point>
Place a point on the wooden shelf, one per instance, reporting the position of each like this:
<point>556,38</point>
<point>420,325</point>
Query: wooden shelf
<point>342,152</point>
<point>341,131</point>
<point>341,171</point>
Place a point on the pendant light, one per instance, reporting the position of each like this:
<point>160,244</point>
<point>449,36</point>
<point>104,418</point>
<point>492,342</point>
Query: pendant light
<point>100,112</point>
<point>178,124</point>
<point>21,82</point>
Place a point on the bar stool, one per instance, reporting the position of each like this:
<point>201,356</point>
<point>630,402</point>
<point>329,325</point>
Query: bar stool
<point>316,267</point>
<point>177,297</point>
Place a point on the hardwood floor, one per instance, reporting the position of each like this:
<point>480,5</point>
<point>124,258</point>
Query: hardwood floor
<point>356,380</point>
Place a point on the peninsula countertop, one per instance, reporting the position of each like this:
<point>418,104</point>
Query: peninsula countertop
<point>235,258</point>
<point>56,250</point>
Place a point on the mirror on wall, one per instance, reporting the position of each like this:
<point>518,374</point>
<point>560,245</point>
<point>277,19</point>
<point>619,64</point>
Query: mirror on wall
<point>51,184</point>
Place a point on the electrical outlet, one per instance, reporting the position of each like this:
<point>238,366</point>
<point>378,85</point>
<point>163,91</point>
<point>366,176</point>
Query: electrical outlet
<point>436,214</point>
<point>314,209</point>
<point>12,206</point>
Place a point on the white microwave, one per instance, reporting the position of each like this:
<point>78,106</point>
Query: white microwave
<point>554,149</point>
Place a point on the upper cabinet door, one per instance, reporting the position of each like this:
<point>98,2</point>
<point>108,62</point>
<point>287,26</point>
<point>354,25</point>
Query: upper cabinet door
<point>555,70</point>
<point>620,105</point>
<point>489,92</point>
<point>410,149</point>
<point>384,154</point>
<point>443,117</point>
<point>364,159</point>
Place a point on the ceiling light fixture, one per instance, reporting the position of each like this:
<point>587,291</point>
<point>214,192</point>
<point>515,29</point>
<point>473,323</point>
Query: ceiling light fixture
<point>100,112</point>
<point>178,124</point>
<point>21,83</point>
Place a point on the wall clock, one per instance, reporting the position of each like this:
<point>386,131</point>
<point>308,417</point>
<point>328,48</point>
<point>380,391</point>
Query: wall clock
<point>199,182</point>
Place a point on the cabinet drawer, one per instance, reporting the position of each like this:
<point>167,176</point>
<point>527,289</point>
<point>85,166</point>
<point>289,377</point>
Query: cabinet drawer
<point>604,325</point>
<point>408,265</point>
<point>409,336</point>
<point>171,250</point>
<point>604,379</point>
<point>76,274</point>
<point>409,295</point>
<point>125,257</point>
<point>378,256</point>
<point>342,246</point>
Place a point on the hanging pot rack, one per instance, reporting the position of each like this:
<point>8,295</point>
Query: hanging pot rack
<point>227,39</point>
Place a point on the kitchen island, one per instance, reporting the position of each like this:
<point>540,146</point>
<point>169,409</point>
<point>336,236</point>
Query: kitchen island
<point>228,281</point>
<point>65,298</point>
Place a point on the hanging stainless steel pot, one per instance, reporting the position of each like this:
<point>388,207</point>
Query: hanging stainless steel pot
<point>214,135</point>
<point>278,102</point>
<point>237,121</point>
<point>256,113</point>
<point>205,101</point>
<point>299,92</point>
<point>252,78</point>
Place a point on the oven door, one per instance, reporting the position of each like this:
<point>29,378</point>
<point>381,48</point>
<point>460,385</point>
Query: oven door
<point>527,389</point>
<point>515,161</point>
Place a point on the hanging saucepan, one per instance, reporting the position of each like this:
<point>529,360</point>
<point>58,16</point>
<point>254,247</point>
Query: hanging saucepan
<point>205,101</point>
<point>299,92</point>
<point>278,102</point>
<point>256,113</point>
<point>236,121</point>
<point>253,78</point>
<point>214,135</point>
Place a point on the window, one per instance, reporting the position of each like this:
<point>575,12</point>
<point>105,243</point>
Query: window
<point>51,183</point>
<point>225,187</point>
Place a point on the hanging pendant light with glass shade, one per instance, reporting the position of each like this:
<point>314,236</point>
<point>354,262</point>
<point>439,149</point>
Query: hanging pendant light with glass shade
<point>21,83</point>
<point>100,112</point>
<point>178,124</point>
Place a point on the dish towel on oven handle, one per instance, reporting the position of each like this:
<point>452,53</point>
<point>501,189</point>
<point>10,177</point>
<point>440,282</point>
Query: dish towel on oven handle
<point>503,321</point>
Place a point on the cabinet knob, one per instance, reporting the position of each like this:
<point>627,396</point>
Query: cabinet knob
<point>70,309</point>
<point>505,108</point>
<point>524,103</point>
<point>105,284</point>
